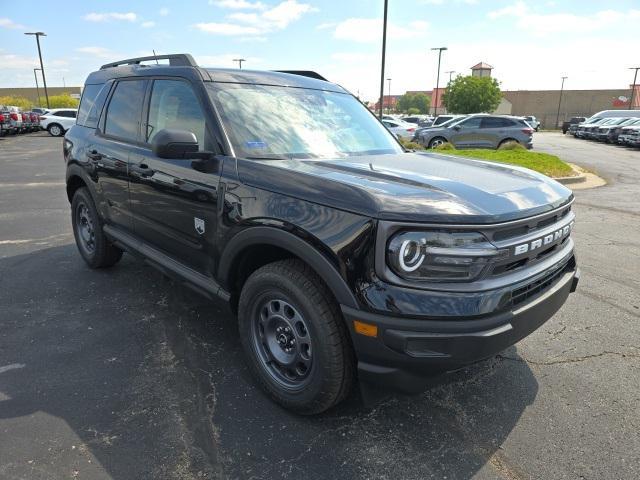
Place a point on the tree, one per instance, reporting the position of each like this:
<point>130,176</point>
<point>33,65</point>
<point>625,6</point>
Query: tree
<point>63,101</point>
<point>418,101</point>
<point>14,101</point>
<point>472,95</point>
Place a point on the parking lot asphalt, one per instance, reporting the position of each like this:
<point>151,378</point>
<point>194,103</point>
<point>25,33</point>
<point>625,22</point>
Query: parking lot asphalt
<point>123,374</point>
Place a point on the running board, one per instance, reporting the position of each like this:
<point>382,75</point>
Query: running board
<point>166,264</point>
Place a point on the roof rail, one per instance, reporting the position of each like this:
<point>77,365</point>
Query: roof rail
<point>175,60</point>
<point>304,73</point>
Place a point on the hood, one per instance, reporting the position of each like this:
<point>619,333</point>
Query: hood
<point>416,187</point>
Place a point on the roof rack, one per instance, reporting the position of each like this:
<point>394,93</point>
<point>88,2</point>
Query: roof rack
<point>304,73</point>
<point>175,60</point>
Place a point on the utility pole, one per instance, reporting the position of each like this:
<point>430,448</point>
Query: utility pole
<point>560,101</point>
<point>239,60</point>
<point>35,75</point>
<point>435,103</point>
<point>44,78</point>
<point>389,104</point>
<point>384,47</point>
<point>633,87</point>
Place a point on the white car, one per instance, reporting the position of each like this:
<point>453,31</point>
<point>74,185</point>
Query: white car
<point>400,128</point>
<point>58,120</point>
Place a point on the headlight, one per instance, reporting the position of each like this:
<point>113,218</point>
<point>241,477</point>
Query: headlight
<point>437,256</point>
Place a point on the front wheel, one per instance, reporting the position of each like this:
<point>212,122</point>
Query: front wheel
<point>92,243</point>
<point>436,142</point>
<point>295,338</point>
<point>55,130</point>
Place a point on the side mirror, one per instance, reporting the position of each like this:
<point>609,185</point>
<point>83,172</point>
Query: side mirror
<point>172,143</point>
<point>457,127</point>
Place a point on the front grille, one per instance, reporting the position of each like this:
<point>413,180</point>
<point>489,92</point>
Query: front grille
<point>539,286</point>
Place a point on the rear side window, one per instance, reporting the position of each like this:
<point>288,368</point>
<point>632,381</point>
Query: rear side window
<point>124,110</point>
<point>494,122</point>
<point>88,100</point>
<point>93,116</point>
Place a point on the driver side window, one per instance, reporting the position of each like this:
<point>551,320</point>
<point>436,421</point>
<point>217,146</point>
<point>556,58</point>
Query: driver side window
<point>473,122</point>
<point>174,105</point>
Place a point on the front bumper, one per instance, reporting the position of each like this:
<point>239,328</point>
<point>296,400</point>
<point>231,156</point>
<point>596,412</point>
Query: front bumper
<point>407,351</point>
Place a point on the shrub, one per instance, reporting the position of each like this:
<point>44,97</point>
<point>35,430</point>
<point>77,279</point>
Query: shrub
<point>511,145</point>
<point>14,101</point>
<point>408,144</point>
<point>63,101</point>
<point>445,146</point>
<point>413,111</point>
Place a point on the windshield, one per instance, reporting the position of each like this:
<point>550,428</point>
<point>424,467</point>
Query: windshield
<point>272,122</point>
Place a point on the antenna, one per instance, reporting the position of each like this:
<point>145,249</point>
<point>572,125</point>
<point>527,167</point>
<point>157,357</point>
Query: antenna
<point>154,54</point>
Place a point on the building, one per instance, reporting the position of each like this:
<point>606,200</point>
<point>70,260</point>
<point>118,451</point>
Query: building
<point>481,70</point>
<point>389,102</point>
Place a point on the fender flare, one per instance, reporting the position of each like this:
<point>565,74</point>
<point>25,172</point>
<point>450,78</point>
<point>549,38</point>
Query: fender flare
<point>75,170</point>
<point>261,235</point>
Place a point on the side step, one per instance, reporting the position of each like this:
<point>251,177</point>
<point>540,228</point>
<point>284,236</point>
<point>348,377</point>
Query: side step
<point>166,264</point>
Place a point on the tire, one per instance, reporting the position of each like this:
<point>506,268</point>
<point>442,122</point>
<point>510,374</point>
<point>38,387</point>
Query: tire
<point>93,245</point>
<point>507,140</point>
<point>434,142</point>
<point>55,130</point>
<point>295,338</point>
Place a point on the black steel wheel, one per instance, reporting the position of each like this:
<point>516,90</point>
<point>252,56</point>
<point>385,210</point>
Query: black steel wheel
<point>295,338</point>
<point>92,244</point>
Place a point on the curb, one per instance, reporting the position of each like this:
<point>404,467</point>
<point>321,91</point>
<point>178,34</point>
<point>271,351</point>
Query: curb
<point>570,180</point>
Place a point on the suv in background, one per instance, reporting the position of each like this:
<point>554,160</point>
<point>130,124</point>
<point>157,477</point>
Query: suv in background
<point>533,121</point>
<point>343,255</point>
<point>58,120</point>
<point>478,131</point>
<point>571,123</point>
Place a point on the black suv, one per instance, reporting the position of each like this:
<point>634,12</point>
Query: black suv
<point>343,255</point>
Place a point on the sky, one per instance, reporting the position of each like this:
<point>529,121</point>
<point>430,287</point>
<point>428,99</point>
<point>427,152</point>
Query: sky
<point>531,45</point>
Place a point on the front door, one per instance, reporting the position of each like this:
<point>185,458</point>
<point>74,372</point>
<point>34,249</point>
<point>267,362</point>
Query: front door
<point>174,200</point>
<point>465,134</point>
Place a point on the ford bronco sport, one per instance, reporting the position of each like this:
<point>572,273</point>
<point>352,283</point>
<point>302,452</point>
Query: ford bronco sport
<point>343,255</point>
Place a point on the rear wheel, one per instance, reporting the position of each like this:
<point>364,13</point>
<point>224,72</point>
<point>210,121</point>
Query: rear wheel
<point>294,337</point>
<point>93,245</point>
<point>435,142</point>
<point>55,130</point>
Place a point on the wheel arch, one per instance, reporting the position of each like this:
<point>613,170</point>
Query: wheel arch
<point>258,246</point>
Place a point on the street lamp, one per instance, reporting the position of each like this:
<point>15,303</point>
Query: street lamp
<point>389,104</point>
<point>384,47</point>
<point>35,75</point>
<point>435,104</point>
<point>450,72</point>
<point>44,79</point>
<point>239,60</point>
<point>633,87</point>
<point>560,101</point>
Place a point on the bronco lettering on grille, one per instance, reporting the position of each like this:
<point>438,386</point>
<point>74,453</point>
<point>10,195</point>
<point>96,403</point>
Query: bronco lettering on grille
<point>543,241</point>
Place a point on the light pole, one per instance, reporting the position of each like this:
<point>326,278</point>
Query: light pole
<point>389,104</point>
<point>560,101</point>
<point>44,78</point>
<point>435,103</point>
<point>450,72</point>
<point>239,60</point>
<point>633,87</point>
<point>35,75</point>
<point>384,47</point>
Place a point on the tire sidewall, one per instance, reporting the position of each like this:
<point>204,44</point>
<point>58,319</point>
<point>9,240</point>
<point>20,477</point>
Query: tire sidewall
<point>265,285</point>
<point>53,127</point>
<point>82,197</point>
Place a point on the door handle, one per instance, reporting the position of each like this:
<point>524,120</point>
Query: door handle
<point>144,166</point>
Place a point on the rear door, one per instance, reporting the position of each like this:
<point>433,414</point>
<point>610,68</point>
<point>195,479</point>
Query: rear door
<point>174,200</point>
<point>118,133</point>
<point>495,129</point>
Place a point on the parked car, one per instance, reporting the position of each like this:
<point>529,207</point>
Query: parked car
<point>588,124</point>
<point>58,120</point>
<point>630,135</point>
<point>604,133</point>
<point>533,121</point>
<point>567,124</point>
<point>5,121</point>
<point>479,131</point>
<point>419,120</point>
<point>39,110</point>
<point>400,128</point>
<point>344,256</point>
<point>440,119</point>
<point>35,121</point>
<point>15,116</point>
<point>591,131</point>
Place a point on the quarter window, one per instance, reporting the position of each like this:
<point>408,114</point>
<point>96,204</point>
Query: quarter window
<point>174,105</point>
<point>124,111</point>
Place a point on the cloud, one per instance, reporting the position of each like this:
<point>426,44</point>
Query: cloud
<point>369,30</point>
<point>326,25</point>
<point>148,24</point>
<point>258,24</point>
<point>164,11</point>
<point>99,52</point>
<point>8,23</point>
<point>544,24</point>
<point>106,17</point>
<point>238,4</point>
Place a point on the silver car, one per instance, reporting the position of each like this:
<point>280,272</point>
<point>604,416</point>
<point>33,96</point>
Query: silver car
<point>478,131</point>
